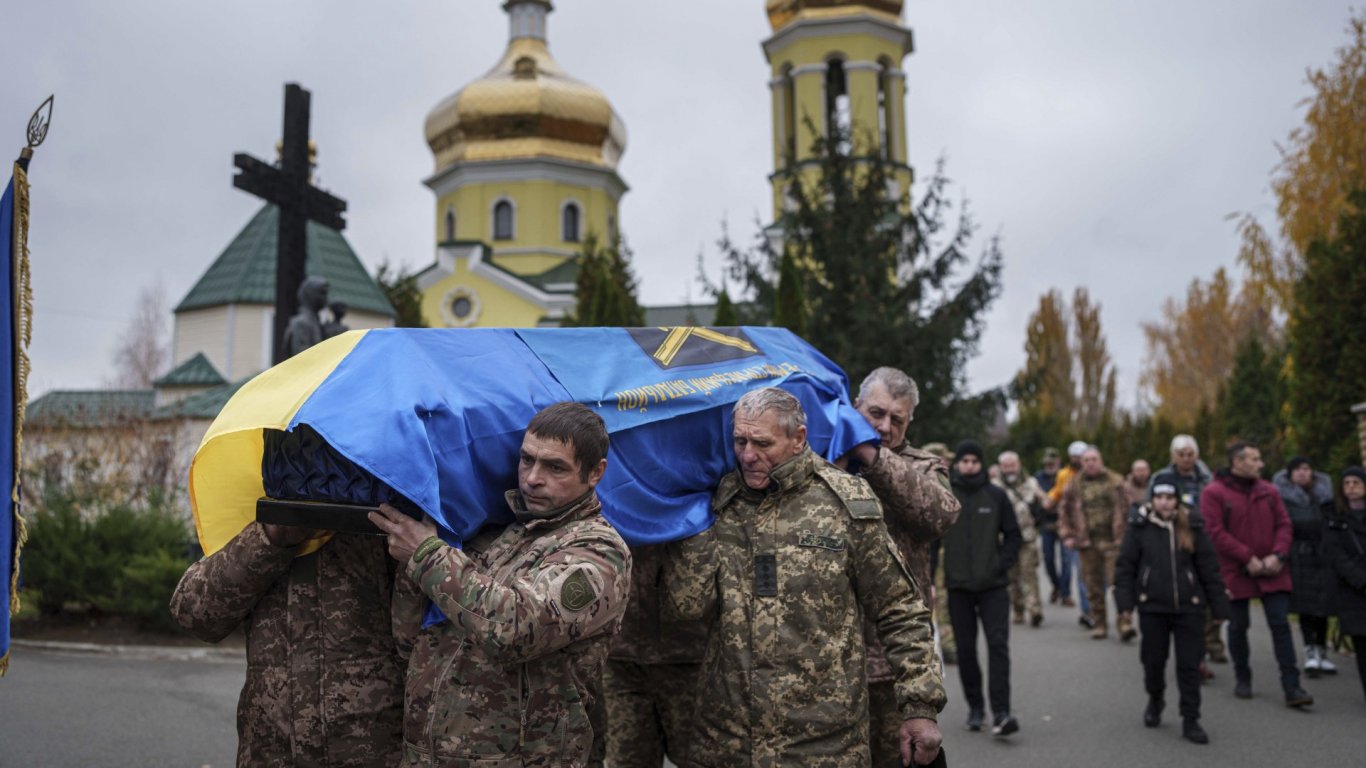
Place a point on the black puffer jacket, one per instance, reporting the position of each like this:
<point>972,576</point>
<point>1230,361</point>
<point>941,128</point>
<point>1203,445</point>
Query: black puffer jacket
<point>984,542</point>
<point>1344,547</point>
<point>1314,582</point>
<point>1155,575</point>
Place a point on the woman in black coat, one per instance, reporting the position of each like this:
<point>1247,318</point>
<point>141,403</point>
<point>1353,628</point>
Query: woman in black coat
<point>1308,497</point>
<point>1344,546</point>
<point>1169,571</point>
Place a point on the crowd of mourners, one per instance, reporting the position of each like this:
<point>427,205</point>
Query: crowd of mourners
<point>1184,551</point>
<point>797,630</point>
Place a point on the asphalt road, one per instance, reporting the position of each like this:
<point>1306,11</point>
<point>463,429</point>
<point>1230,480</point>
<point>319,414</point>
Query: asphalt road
<point>62,710</point>
<point>1079,701</point>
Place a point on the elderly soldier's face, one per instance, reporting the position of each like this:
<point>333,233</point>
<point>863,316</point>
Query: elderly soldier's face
<point>549,476</point>
<point>762,444</point>
<point>888,416</point>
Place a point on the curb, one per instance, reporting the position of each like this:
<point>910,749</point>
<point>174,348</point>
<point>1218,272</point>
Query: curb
<point>135,652</point>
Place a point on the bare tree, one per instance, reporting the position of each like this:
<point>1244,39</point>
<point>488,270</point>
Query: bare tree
<point>144,347</point>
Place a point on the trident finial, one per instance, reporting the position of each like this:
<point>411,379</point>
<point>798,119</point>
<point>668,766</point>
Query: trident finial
<point>38,124</point>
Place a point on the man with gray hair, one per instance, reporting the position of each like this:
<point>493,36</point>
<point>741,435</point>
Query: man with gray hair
<point>798,554</point>
<point>918,507</point>
<point>1027,499</point>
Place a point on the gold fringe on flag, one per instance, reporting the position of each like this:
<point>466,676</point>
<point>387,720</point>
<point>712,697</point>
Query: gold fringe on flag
<point>23,334</point>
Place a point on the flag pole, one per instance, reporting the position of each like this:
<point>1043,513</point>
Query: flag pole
<point>21,296</point>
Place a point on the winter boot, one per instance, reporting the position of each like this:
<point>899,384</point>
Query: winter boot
<point>1192,732</point>
<point>1312,662</point>
<point>1152,716</point>
<point>975,718</point>
<point>1298,698</point>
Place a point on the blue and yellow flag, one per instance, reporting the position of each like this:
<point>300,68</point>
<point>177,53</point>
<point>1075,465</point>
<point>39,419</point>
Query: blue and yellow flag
<point>438,415</point>
<point>14,324</point>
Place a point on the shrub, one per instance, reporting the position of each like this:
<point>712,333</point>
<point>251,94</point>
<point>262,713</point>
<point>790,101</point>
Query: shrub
<point>123,560</point>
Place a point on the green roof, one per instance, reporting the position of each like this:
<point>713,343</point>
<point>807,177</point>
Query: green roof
<point>89,408</point>
<point>195,372</point>
<point>244,273</point>
<point>201,405</point>
<point>561,274</point>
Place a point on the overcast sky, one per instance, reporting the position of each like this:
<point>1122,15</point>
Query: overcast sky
<point>1105,142</point>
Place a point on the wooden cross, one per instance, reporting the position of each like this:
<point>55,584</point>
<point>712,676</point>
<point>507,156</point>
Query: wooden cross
<point>289,188</point>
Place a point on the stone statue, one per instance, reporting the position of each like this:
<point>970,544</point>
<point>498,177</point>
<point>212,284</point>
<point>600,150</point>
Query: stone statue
<point>306,328</point>
<point>336,327</point>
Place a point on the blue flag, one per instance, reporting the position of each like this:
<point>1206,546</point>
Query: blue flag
<point>11,235</point>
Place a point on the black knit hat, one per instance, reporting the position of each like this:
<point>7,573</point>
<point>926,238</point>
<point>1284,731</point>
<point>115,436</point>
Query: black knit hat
<point>1296,462</point>
<point>1356,472</point>
<point>1168,483</point>
<point>969,448</point>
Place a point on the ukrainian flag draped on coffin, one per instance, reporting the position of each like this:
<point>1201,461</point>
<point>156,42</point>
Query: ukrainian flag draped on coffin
<point>437,415</point>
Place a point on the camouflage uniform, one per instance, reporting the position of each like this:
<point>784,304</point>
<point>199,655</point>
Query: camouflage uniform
<point>919,506</point>
<point>324,682</point>
<point>1024,575</point>
<point>1094,510</point>
<point>942,624</point>
<point>650,674</point>
<point>785,576</point>
<point>510,678</point>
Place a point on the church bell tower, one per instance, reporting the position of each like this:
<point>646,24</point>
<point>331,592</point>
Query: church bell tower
<point>836,62</point>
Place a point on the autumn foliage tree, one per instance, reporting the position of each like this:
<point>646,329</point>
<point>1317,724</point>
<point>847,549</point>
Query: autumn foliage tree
<point>1191,349</point>
<point>1067,387</point>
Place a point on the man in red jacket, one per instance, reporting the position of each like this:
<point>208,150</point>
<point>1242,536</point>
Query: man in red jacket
<point>1247,522</point>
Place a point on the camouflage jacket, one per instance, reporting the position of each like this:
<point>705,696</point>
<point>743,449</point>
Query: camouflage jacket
<point>1094,510</point>
<point>1024,495</point>
<point>648,637</point>
<point>784,576</point>
<point>919,506</point>
<point>324,682</point>
<point>510,677</point>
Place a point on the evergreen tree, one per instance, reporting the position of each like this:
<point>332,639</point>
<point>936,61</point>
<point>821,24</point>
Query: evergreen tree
<point>1328,343</point>
<point>1252,401</point>
<point>400,287</point>
<point>790,311</point>
<point>605,291</point>
<point>725,311</point>
<point>883,282</point>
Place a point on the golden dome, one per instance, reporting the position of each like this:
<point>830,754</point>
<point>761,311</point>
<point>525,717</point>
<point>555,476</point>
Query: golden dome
<point>525,107</point>
<point>781,12</point>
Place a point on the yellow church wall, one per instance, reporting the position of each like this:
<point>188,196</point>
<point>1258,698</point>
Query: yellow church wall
<point>498,306</point>
<point>537,206</point>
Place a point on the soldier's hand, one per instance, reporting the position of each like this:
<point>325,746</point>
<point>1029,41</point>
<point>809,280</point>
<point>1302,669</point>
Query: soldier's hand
<point>405,533</point>
<point>920,740</point>
<point>286,536</point>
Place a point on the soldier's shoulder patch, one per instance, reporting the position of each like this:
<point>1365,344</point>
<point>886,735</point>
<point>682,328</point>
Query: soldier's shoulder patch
<point>852,491</point>
<point>577,592</point>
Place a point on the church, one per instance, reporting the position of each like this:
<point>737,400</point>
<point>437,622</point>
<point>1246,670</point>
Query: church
<point>524,171</point>
<point>525,157</point>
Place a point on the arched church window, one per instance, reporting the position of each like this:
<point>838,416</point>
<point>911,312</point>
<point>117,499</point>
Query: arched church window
<point>569,223</point>
<point>450,224</point>
<point>503,220</point>
<point>886,114</point>
<point>789,104</point>
<point>838,112</point>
